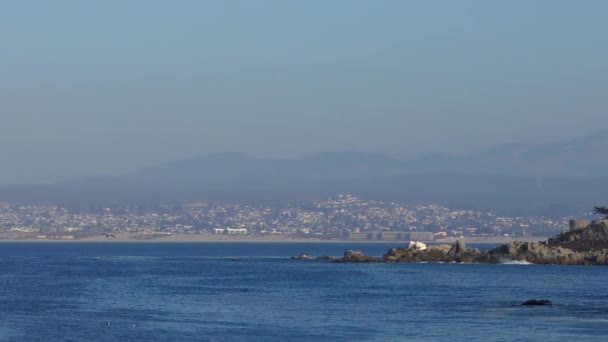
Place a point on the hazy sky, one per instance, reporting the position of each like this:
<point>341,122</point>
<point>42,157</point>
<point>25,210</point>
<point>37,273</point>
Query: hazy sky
<point>89,87</point>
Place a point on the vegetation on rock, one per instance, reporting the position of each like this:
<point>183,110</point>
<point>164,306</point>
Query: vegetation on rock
<point>601,211</point>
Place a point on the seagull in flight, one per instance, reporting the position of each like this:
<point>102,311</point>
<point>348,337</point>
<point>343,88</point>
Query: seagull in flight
<point>108,235</point>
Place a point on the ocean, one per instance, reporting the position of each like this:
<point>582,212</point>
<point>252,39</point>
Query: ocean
<point>254,292</point>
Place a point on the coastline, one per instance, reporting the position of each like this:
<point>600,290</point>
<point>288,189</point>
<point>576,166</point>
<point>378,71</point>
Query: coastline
<point>200,238</point>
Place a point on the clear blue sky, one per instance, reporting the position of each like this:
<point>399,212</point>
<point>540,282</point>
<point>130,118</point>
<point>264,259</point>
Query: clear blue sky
<point>90,87</point>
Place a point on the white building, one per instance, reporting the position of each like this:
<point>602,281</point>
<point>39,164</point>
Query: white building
<point>233,231</point>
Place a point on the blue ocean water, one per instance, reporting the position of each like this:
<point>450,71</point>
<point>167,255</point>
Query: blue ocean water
<point>253,292</point>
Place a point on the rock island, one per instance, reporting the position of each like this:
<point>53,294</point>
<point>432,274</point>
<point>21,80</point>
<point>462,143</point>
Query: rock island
<point>585,244</point>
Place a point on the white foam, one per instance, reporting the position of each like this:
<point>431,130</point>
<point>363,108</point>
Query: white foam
<point>515,262</point>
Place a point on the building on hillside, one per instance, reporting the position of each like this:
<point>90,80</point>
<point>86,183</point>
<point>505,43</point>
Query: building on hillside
<point>234,231</point>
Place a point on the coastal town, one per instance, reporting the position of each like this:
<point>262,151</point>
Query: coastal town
<point>343,217</point>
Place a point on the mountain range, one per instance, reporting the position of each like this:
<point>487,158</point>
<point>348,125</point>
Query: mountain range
<point>515,178</point>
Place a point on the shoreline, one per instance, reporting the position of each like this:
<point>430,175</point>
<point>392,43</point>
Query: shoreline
<point>192,238</point>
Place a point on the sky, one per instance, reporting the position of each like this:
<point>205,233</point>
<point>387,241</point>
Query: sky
<point>102,87</point>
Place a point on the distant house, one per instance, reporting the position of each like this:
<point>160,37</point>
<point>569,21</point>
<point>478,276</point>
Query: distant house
<point>233,231</point>
<point>218,230</point>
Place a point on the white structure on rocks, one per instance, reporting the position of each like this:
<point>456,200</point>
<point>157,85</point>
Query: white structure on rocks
<point>416,245</point>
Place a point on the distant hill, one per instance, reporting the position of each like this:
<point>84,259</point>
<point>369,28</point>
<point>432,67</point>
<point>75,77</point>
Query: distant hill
<point>234,166</point>
<point>582,158</point>
<point>514,178</point>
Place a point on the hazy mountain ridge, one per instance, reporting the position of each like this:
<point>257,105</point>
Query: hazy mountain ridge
<point>579,158</point>
<point>516,177</point>
<point>576,159</point>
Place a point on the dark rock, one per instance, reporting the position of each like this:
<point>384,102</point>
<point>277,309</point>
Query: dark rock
<point>459,247</point>
<point>535,302</point>
<point>397,252</point>
<point>352,255</point>
<point>436,253</point>
<point>536,253</point>
<point>440,253</point>
<point>303,256</point>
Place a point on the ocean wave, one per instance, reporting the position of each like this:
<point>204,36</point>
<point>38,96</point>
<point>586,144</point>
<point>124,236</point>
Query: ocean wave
<point>514,262</point>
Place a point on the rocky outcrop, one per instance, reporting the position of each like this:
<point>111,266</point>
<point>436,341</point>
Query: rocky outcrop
<point>352,255</point>
<point>586,245</point>
<point>585,238</point>
<point>583,246</point>
<point>456,253</point>
<point>536,253</point>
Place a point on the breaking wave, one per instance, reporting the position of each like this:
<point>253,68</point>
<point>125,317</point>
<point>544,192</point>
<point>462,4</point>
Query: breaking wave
<point>514,262</point>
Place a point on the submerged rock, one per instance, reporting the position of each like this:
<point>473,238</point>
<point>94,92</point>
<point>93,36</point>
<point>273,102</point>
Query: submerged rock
<point>535,302</point>
<point>305,256</point>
